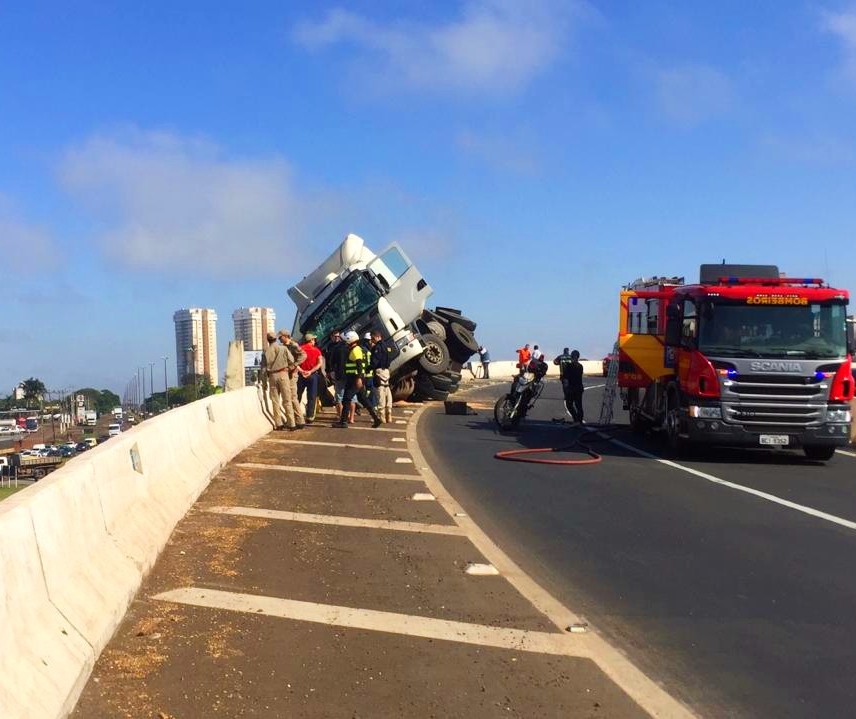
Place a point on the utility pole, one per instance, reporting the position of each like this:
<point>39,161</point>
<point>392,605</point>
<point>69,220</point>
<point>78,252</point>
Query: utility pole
<point>165,383</point>
<point>152,379</point>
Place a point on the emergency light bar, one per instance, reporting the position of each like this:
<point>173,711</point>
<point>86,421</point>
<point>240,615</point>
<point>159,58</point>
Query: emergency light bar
<point>774,282</point>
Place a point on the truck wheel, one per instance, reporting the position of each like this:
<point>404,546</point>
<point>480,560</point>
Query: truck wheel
<point>39,473</point>
<point>451,315</point>
<point>403,389</point>
<point>673,425</point>
<point>442,382</point>
<point>820,453</point>
<point>462,342</point>
<point>435,358</point>
<point>437,328</point>
<point>638,423</point>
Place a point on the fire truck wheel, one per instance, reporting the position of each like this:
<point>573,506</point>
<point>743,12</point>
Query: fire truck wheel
<point>638,422</point>
<point>435,358</point>
<point>673,424</point>
<point>820,453</point>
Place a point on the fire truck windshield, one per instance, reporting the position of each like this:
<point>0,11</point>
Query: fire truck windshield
<point>356,296</point>
<point>813,331</point>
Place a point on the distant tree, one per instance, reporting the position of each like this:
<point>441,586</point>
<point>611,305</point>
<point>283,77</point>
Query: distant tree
<point>102,401</point>
<point>34,390</point>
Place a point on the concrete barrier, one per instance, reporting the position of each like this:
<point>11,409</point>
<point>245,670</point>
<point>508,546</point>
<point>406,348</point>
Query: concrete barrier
<point>506,369</point>
<point>75,547</point>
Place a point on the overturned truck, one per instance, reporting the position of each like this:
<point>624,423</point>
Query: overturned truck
<point>355,289</point>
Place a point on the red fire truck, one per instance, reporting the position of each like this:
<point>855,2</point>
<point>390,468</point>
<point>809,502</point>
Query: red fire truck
<point>745,357</point>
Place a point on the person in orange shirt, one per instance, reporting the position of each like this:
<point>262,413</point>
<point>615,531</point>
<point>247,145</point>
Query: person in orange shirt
<point>523,357</point>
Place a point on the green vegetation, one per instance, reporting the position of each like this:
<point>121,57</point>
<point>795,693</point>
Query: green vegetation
<point>34,390</point>
<point>102,402</point>
<point>9,491</point>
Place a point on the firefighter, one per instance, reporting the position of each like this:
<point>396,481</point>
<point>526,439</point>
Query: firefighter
<point>355,372</point>
<point>276,361</point>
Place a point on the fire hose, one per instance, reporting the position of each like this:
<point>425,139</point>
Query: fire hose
<point>579,444</point>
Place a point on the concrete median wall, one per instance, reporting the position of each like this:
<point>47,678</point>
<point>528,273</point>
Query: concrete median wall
<point>75,547</point>
<point>506,369</point>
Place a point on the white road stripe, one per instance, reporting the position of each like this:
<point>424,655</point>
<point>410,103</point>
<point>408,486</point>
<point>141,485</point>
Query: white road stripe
<point>346,445</point>
<point>403,460</point>
<point>388,622</point>
<point>648,694</point>
<point>846,453</point>
<point>338,521</point>
<point>361,427</point>
<point>399,439</point>
<point>739,487</point>
<point>327,472</point>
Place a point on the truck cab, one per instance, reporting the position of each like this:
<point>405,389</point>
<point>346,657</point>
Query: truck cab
<point>356,289</point>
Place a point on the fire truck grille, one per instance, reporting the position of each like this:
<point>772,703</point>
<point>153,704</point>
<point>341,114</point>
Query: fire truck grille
<point>774,401</point>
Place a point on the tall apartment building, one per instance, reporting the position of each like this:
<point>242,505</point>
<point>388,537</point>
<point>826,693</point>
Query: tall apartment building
<point>196,343</point>
<point>252,325</point>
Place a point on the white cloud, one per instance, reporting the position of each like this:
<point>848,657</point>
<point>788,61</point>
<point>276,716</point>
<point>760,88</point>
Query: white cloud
<point>843,26</point>
<point>492,47</point>
<point>31,247</point>
<point>166,202</point>
<point>691,94</point>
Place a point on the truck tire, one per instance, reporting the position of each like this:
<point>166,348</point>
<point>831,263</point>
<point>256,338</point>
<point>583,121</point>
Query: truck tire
<point>452,315</point>
<point>462,342</point>
<point>437,328</point>
<point>426,389</point>
<point>402,389</point>
<point>442,382</point>
<point>819,453</point>
<point>677,444</point>
<point>435,358</point>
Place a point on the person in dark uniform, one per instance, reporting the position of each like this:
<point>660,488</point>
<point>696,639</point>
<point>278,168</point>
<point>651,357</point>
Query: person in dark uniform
<point>574,396</point>
<point>355,373</point>
<point>564,362</point>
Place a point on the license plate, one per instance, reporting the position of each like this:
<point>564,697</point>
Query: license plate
<point>778,440</point>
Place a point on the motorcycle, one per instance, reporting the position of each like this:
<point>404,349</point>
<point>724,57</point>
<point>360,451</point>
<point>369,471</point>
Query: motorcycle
<point>511,408</point>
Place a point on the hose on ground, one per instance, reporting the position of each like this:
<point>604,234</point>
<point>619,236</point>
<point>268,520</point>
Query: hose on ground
<point>596,432</point>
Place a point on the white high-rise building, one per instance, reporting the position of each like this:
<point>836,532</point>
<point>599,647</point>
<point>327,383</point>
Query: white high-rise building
<point>196,343</point>
<point>252,325</point>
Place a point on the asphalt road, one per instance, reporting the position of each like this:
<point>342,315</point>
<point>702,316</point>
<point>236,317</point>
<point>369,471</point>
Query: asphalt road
<point>739,605</point>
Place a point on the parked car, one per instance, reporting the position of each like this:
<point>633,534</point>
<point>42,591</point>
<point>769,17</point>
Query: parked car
<point>67,451</point>
<point>81,446</point>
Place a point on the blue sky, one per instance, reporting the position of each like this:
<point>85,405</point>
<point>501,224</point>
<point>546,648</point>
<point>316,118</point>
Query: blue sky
<point>530,157</point>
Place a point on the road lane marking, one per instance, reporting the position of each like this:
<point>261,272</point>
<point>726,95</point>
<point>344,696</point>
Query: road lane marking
<point>403,460</point>
<point>339,521</point>
<point>559,644</point>
<point>846,453</point>
<point>346,445</point>
<point>399,439</point>
<point>643,690</point>
<point>733,485</point>
<point>328,472</point>
<point>423,497</point>
<point>362,427</point>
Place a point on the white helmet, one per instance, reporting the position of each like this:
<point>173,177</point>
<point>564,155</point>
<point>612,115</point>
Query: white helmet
<point>351,336</point>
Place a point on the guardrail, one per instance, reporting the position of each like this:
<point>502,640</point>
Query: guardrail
<point>75,547</point>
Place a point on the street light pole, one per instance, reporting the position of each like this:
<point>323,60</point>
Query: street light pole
<point>165,383</point>
<point>152,380</point>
